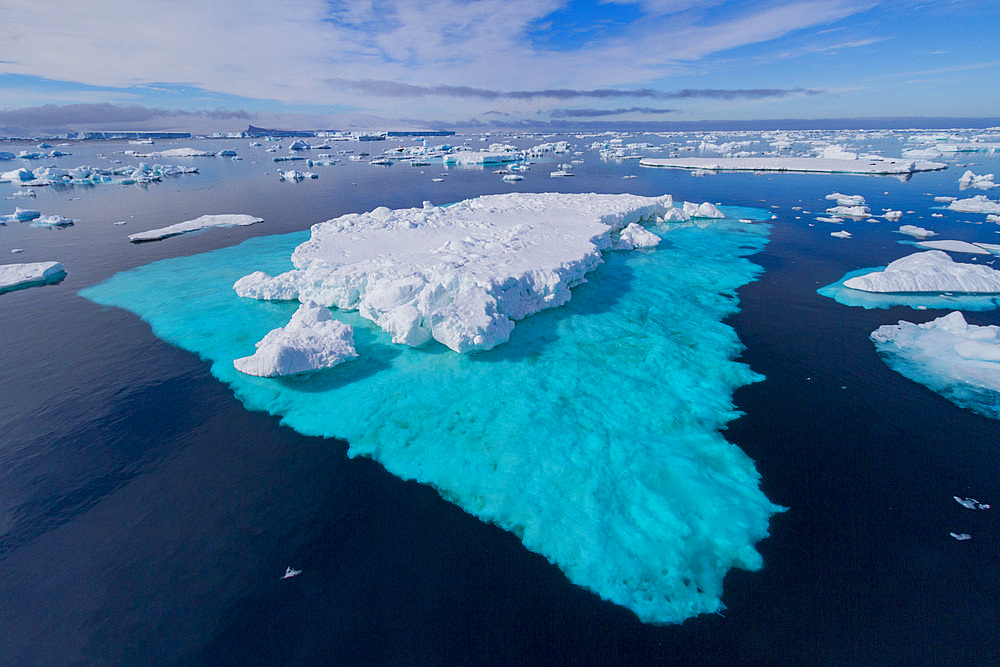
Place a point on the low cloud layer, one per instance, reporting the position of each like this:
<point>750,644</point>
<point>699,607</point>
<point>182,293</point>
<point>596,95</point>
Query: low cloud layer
<point>103,115</point>
<point>596,113</point>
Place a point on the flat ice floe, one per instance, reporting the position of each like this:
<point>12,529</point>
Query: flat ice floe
<point>86,175</point>
<point>203,222</point>
<point>931,271</point>
<point>593,434</point>
<point>977,204</point>
<point>916,232</point>
<point>958,360</point>
<point>311,341</point>
<point>460,274</point>
<point>885,166</point>
<point>15,276</point>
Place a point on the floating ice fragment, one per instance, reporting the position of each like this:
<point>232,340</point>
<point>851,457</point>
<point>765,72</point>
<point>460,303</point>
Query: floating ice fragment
<point>971,503</point>
<point>703,210</point>
<point>884,166</point>
<point>204,222</point>
<point>954,246</point>
<point>15,276</point>
<point>916,232</point>
<point>842,234</point>
<point>961,537</point>
<point>846,200</point>
<point>931,271</point>
<point>311,341</point>
<point>977,204</point>
<point>893,216</point>
<point>52,221</point>
<point>289,573</point>
<point>636,236</point>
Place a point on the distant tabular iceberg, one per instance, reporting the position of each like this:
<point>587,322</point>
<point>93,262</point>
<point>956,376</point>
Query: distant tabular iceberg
<point>885,166</point>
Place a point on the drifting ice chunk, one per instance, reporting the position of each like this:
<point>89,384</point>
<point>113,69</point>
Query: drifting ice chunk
<point>311,341</point>
<point>22,275</point>
<point>204,222</point>
<point>177,152</point>
<point>856,212</point>
<point>977,204</point>
<point>931,271</point>
<point>893,216</point>
<point>846,200</point>
<point>460,274</point>
<point>289,573</point>
<point>841,234</point>
<point>20,215</point>
<point>960,361</point>
<point>971,503</point>
<point>52,221</point>
<point>703,210</point>
<point>885,166</point>
<point>971,180</point>
<point>961,537</point>
<point>636,236</point>
<point>954,246</point>
<point>916,232</point>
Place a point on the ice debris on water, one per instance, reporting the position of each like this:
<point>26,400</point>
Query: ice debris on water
<point>930,271</point>
<point>971,503</point>
<point>961,537</point>
<point>289,573</point>
<point>203,222</point>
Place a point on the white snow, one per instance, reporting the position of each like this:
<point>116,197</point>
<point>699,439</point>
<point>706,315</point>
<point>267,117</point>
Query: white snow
<point>842,234</point>
<point>856,212</point>
<point>977,204</point>
<point>460,274</point>
<point>893,216</point>
<point>12,275</point>
<point>954,246</point>
<point>930,271</point>
<point>800,164</point>
<point>916,232</point>
<point>846,200</point>
<point>971,180</point>
<point>204,222</point>
<point>636,236</point>
<point>311,341</point>
<point>703,210</point>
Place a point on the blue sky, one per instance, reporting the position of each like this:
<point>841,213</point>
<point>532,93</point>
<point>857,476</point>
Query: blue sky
<point>317,62</point>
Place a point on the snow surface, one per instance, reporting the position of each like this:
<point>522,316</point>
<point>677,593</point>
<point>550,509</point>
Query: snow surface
<point>916,232</point>
<point>460,274</point>
<point>801,164</point>
<point>958,360</point>
<point>311,341</point>
<point>931,271</point>
<point>22,275</point>
<point>203,222</point>
<point>954,246</point>
<point>636,236</point>
<point>843,234</point>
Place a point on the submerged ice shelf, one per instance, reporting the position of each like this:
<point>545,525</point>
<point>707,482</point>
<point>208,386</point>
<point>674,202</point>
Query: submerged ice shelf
<point>592,434</point>
<point>958,360</point>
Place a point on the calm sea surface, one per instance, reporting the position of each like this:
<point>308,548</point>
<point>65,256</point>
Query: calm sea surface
<point>146,517</point>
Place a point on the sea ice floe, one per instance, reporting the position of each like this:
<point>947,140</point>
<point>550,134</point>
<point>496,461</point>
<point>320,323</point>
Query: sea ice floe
<point>961,537</point>
<point>16,276</point>
<point>854,212</point>
<point>311,341</point>
<point>174,153</point>
<point>971,180</point>
<point>977,204</point>
<point>842,234</point>
<point>916,232</point>
<point>52,221</point>
<point>971,503</point>
<point>203,222</point>
<point>636,236</point>
<point>931,271</point>
<point>846,200</point>
<point>703,210</point>
<point>958,360</point>
<point>20,215</point>
<point>85,175</point>
<point>884,166</point>
<point>893,216</point>
<point>460,274</point>
<point>954,246</point>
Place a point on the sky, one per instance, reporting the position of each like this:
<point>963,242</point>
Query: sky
<point>350,64</point>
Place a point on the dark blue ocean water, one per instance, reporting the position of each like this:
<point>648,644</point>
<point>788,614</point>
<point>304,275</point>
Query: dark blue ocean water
<point>146,517</point>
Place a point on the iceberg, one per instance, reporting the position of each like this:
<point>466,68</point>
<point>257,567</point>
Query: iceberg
<point>916,232</point>
<point>592,435</point>
<point>954,246</point>
<point>20,215</point>
<point>854,212</point>
<point>460,274</point>
<point>931,271</point>
<point>971,180</point>
<point>311,341</point>
<point>977,204</point>
<point>636,236</point>
<point>843,234</point>
<point>846,200</point>
<point>893,216</point>
<point>958,360</point>
<point>19,276</point>
<point>174,153</point>
<point>52,221</point>
<point>203,222</point>
<point>703,210</point>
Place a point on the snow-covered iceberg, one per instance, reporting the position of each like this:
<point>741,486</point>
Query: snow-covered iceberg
<point>460,274</point>
<point>311,341</point>
<point>931,271</point>
<point>916,232</point>
<point>977,204</point>
<point>958,360</point>
<point>883,166</point>
<point>203,222</point>
<point>593,434</point>
<point>19,276</point>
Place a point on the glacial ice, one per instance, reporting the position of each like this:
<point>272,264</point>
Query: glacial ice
<point>174,153</point>
<point>86,175</point>
<point>930,271</point>
<point>592,435</point>
<point>854,212</point>
<point>16,276</point>
<point>977,204</point>
<point>958,360</point>
<point>916,232</point>
<point>460,274</point>
<point>703,210</point>
<point>203,222</point>
<point>311,341</point>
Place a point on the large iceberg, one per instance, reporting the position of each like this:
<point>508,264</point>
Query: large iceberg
<point>931,271</point>
<point>958,360</point>
<point>460,274</point>
<point>203,222</point>
<point>311,341</point>
<point>593,434</point>
<point>18,276</point>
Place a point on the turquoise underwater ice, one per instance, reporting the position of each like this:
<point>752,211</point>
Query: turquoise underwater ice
<point>592,434</point>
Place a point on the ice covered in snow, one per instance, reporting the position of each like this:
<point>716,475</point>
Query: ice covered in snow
<point>636,236</point>
<point>977,204</point>
<point>916,232</point>
<point>846,200</point>
<point>971,180</point>
<point>20,215</point>
<point>930,271</point>
<point>842,234</point>
<point>175,153</point>
<point>480,157</point>
<point>23,275</point>
<point>295,175</point>
<point>885,166</point>
<point>52,221</point>
<point>958,360</point>
<point>702,210</point>
<point>311,341</point>
<point>855,212</point>
<point>86,175</point>
<point>993,217</point>
<point>203,222</point>
<point>460,274</point>
<point>954,246</point>
<point>893,216</point>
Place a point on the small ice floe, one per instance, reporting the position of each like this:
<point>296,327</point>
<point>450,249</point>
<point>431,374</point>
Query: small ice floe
<point>203,222</point>
<point>560,173</point>
<point>289,572</point>
<point>971,503</point>
<point>961,537</point>
<point>629,176</point>
<point>842,234</point>
<point>16,251</point>
<point>52,221</point>
<point>22,194</point>
<point>20,215</point>
<point>971,180</point>
<point>834,220</point>
<point>122,222</point>
<point>703,210</point>
<point>513,178</point>
<point>977,204</point>
<point>636,236</point>
<point>893,216</point>
<point>945,200</point>
<point>916,232</point>
<point>954,246</point>
<point>846,200</point>
<point>437,180</point>
<point>14,276</point>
